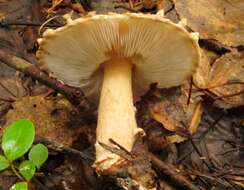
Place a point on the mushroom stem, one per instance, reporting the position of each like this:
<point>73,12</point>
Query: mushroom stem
<point>116,114</point>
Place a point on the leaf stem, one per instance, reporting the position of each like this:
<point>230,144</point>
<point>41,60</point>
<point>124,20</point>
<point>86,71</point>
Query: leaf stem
<point>16,172</point>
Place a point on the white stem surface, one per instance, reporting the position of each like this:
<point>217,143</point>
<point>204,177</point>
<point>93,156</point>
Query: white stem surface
<point>116,114</point>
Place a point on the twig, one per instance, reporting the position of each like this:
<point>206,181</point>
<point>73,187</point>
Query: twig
<point>230,95</point>
<point>121,147</point>
<point>164,167</point>
<point>209,177</point>
<point>211,127</point>
<point>172,172</point>
<point>63,148</point>
<point>121,152</point>
<point>170,9</point>
<point>73,94</point>
<point>126,8</point>
<point>213,45</point>
<point>189,93</point>
<point>199,153</point>
<point>8,23</point>
<point>16,172</point>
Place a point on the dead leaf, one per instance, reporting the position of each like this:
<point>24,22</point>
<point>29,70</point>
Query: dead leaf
<point>20,39</point>
<point>55,120</point>
<point>169,11</point>
<point>68,176</point>
<point>201,76</point>
<point>11,88</point>
<point>222,20</point>
<point>160,113</point>
<point>175,139</point>
<point>175,115</point>
<point>226,80</point>
<point>55,4</point>
<point>78,8</point>
<point>196,119</point>
<point>240,184</point>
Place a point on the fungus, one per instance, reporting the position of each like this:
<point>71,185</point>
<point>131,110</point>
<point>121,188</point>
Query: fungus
<point>112,56</point>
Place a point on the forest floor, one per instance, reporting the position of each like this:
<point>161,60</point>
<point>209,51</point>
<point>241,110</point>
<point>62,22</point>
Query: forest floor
<point>194,133</point>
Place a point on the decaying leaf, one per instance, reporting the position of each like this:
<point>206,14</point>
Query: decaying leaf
<point>223,77</point>
<point>201,76</point>
<point>11,89</point>
<point>76,6</point>
<point>176,115</point>
<point>226,80</point>
<point>169,11</point>
<point>241,184</point>
<point>139,4</point>
<point>55,3</point>
<point>175,139</point>
<point>196,118</point>
<point>238,180</point>
<point>222,20</point>
<point>20,39</point>
<point>55,120</point>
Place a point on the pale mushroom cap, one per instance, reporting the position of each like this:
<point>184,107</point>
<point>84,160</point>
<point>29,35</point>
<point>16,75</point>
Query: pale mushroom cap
<point>162,52</point>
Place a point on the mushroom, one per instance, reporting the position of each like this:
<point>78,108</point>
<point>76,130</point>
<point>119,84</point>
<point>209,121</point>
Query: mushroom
<point>115,55</point>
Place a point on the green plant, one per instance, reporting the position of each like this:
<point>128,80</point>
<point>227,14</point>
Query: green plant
<point>17,140</point>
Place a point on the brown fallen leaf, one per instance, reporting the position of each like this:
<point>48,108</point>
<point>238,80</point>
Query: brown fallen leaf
<point>222,20</point>
<point>142,4</point>
<point>20,39</point>
<point>226,80</point>
<point>196,118</point>
<point>11,88</point>
<point>78,8</point>
<point>173,112</point>
<point>149,4</point>
<point>240,184</point>
<point>55,120</point>
<point>55,4</point>
<point>169,11</point>
<point>201,76</point>
<point>238,180</point>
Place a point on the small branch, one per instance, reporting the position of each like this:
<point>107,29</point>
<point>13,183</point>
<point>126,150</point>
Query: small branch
<point>190,92</point>
<point>8,23</point>
<point>126,8</point>
<point>73,94</point>
<point>121,152</point>
<point>62,148</point>
<point>120,147</point>
<point>202,136</point>
<point>166,168</point>
<point>229,95</point>
<point>199,153</point>
<point>172,172</point>
<point>170,9</point>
